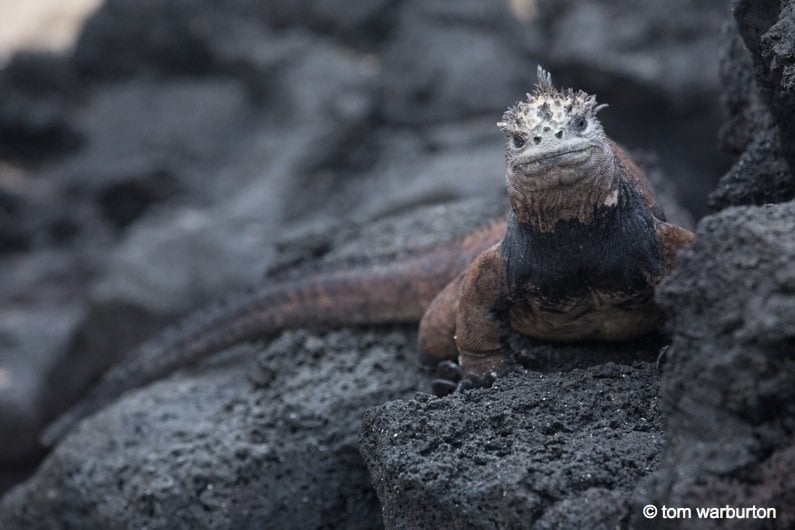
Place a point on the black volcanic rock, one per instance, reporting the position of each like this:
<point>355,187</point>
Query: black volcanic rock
<point>238,445</point>
<point>537,450</point>
<point>756,68</point>
<point>729,385</point>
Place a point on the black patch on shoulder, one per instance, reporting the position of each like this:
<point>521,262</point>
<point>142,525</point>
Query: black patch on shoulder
<point>617,251</point>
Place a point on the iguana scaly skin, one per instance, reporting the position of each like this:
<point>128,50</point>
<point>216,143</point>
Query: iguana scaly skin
<point>584,245</point>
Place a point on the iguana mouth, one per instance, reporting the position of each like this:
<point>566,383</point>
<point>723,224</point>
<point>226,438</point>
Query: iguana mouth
<point>544,157</point>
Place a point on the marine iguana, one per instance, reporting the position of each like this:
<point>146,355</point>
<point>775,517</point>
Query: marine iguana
<point>579,256</point>
<point>585,245</point>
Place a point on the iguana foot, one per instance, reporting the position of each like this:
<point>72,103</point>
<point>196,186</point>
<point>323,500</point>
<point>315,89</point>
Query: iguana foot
<point>444,387</point>
<point>448,376</point>
<point>476,371</point>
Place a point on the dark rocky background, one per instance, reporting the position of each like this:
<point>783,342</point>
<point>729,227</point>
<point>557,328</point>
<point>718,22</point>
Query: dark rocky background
<point>186,147</point>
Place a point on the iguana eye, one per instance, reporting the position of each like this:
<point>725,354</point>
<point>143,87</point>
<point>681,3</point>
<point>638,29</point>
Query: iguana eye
<point>580,124</point>
<point>518,141</point>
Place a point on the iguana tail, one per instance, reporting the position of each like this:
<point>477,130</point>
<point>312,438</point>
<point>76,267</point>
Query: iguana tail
<point>370,291</point>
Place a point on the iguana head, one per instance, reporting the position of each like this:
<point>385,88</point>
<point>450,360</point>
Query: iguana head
<point>560,163</point>
<point>553,130</point>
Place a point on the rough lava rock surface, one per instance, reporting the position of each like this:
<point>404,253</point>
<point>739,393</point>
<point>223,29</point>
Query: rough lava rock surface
<point>757,68</point>
<point>538,449</point>
<point>729,389</point>
<point>237,446</point>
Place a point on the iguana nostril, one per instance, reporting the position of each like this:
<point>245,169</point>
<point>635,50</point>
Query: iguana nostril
<point>536,140</point>
<point>559,134</point>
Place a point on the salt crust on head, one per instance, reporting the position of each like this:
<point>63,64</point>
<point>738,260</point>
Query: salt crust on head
<point>548,108</point>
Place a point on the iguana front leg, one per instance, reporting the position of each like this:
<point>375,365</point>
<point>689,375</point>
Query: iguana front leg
<point>482,326</point>
<point>468,321</point>
<point>437,327</point>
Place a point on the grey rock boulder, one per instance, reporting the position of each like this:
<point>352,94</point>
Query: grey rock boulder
<point>548,448</point>
<point>237,444</point>
<point>758,54</point>
<point>729,387</point>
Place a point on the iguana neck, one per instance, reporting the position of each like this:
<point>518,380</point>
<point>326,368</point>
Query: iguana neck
<point>617,249</point>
